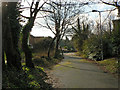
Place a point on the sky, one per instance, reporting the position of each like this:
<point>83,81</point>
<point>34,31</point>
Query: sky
<point>40,31</point>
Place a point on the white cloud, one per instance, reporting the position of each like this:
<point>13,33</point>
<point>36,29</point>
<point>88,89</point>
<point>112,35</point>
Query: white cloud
<point>37,31</point>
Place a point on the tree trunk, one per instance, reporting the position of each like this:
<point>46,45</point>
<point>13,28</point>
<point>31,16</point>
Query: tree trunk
<point>49,49</point>
<point>3,50</point>
<point>3,60</point>
<point>28,53</point>
<point>12,57</point>
<point>62,52</point>
<point>57,46</point>
<point>11,54</point>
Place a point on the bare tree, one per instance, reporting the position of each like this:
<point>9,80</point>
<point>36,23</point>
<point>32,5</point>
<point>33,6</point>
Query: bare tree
<point>34,9</point>
<point>114,3</point>
<point>62,17</point>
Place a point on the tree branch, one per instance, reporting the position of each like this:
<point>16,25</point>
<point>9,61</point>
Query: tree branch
<point>25,16</point>
<point>48,27</point>
<point>41,6</point>
<point>28,2</point>
<point>116,5</point>
<point>47,11</point>
<point>31,12</point>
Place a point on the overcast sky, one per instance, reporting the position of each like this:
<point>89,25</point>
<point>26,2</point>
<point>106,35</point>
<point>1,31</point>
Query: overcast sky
<point>40,31</point>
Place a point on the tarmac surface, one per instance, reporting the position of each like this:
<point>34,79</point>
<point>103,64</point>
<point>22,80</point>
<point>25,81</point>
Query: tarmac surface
<point>72,73</point>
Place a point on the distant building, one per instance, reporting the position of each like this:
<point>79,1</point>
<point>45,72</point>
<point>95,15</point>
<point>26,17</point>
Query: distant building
<point>33,40</point>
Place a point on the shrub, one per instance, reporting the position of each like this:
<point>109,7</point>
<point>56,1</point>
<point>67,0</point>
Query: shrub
<point>91,48</point>
<point>26,78</point>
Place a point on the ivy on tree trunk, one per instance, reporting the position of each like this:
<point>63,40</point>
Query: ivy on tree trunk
<point>9,46</point>
<point>28,53</point>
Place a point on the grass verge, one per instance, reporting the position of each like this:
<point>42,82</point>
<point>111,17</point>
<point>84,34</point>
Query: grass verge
<point>110,65</point>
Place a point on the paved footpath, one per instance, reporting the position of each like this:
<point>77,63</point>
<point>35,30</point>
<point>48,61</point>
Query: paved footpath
<point>72,73</point>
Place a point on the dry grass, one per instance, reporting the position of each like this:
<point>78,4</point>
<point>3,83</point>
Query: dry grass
<point>43,53</point>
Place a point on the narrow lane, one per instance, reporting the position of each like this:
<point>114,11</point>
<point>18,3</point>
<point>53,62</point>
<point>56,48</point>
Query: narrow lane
<point>72,73</point>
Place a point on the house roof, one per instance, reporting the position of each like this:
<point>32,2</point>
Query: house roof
<point>36,36</point>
